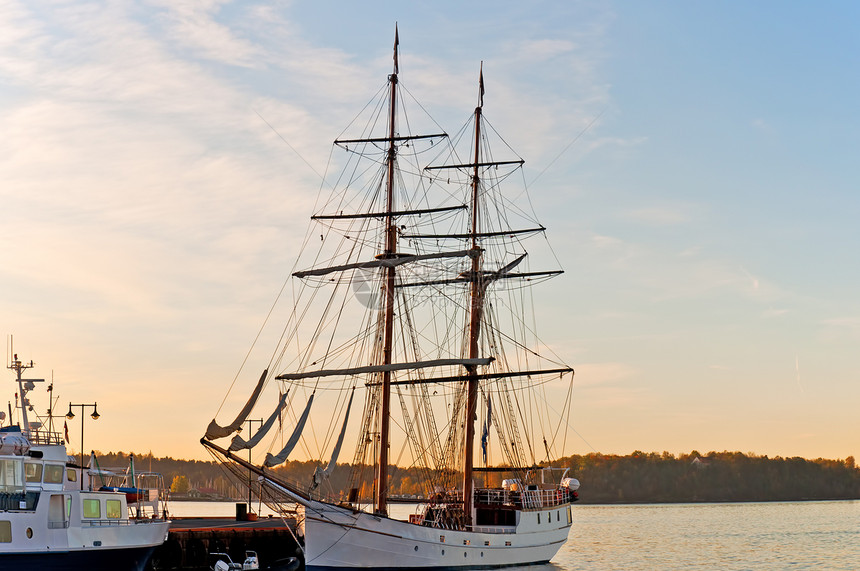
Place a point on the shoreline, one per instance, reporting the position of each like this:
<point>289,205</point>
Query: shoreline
<point>580,503</point>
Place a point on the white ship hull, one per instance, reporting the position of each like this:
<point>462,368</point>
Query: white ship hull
<point>337,537</point>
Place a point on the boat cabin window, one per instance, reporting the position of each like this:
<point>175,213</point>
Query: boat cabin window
<point>5,531</point>
<point>11,476</point>
<point>33,472</point>
<point>113,509</point>
<point>71,474</point>
<point>92,509</point>
<point>53,474</point>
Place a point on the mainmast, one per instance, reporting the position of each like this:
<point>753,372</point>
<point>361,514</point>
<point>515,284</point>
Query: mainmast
<point>388,291</point>
<point>476,311</point>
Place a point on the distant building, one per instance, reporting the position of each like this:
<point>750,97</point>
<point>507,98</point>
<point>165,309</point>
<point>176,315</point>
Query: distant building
<point>700,462</point>
<point>203,492</point>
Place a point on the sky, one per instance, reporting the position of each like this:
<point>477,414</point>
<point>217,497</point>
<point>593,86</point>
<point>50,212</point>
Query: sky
<point>694,162</point>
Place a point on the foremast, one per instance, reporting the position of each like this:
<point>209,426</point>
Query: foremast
<point>475,313</point>
<point>388,295</point>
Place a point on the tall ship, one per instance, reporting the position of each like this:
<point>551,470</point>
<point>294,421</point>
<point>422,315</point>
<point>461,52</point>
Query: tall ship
<point>56,513</point>
<point>412,304</point>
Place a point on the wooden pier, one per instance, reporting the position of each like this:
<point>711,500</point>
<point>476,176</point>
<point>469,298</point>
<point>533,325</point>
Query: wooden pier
<point>191,540</point>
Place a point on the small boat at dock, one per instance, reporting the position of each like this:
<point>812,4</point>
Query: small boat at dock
<point>53,513</point>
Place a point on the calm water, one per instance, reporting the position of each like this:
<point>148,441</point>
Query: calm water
<point>771,536</point>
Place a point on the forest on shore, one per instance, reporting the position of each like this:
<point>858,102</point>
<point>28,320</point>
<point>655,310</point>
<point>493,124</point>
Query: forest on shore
<point>605,478</point>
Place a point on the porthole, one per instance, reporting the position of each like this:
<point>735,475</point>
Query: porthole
<point>416,548</point>
<point>29,533</point>
<point>443,552</point>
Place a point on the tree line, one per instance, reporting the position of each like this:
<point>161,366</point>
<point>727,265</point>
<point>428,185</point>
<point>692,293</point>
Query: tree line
<point>712,477</point>
<point>605,478</point>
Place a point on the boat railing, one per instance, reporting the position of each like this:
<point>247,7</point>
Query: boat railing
<point>522,499</point>
<point>146,494</point>
<point>116,522</point>
<point>497,530</point>
<point>45,438</point>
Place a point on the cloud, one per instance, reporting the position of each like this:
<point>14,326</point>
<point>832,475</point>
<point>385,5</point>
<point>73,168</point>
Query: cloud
<point>847,322</point>
<point>544,49</point>
<point>193,25</point>
<point>761,125</point>
<point>721,368</point>
<point>661,272</point>
<point>619,142</point>
<point>591,374</point>
<point>660,216</point>
<point>607,385</point>
<point>753,280</point>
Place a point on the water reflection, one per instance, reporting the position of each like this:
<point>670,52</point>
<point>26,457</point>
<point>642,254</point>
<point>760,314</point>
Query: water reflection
<point>760,536</point>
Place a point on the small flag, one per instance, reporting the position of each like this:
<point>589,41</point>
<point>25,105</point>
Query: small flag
<point>66,430</point>
<point>481,86</point>
<point>396,43</point>
<point>485,435</point>
<point>281,414</point>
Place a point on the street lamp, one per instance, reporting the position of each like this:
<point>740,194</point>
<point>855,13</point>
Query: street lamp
<point>250,422</point>
<point>95,416</point>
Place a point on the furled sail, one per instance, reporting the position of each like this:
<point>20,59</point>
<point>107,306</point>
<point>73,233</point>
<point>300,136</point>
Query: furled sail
<point>239,443</point>
<point>215,431</point>
<point>321,474</point>
<point>480,362</point>
<point>294,438</point>
<point>386,262</point>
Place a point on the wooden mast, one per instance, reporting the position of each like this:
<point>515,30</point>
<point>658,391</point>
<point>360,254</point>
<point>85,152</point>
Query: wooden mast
<point>476,311</point>
<point>388,291</point>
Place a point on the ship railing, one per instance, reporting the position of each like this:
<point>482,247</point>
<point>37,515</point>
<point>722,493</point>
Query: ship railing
<point>522,499</point>
<point>105,522</point>
<point>116,522</point>
<point>45,438</point>
<point>496,530</point>
<point>147,498</point>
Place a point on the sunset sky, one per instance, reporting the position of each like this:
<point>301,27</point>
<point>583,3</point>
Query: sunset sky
<point>695,164</point>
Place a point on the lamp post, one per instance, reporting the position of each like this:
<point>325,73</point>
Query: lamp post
<point>95,416</point>
<point>250,422</point>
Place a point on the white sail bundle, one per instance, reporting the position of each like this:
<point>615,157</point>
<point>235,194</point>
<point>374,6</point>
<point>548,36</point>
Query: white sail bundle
<point>321,474</point>
<point>239,443</point>
<point>215,431</point>
<point>281,457</point>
